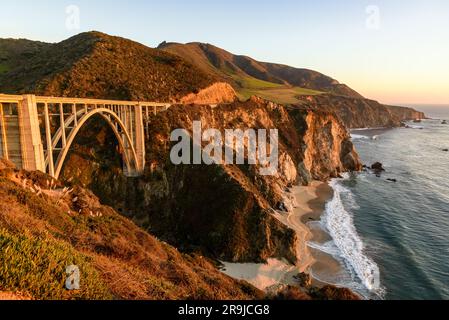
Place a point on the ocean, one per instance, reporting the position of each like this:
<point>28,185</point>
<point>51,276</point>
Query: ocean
<point>392,238</point>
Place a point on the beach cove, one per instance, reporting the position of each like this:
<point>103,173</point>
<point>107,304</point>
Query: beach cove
<point>309,204</point>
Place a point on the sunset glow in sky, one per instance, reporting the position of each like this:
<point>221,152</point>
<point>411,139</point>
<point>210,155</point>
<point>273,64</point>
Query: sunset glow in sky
<point>394,51</point>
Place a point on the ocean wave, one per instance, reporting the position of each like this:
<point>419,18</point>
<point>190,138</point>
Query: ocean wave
<point>340,225</point>
<point>328,247</point>
<point>362,137</point>
<point>358,136</point>
<point>411,126</point>
<point>368,128</point>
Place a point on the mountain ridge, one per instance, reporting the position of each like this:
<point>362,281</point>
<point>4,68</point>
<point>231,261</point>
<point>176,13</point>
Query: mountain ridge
<point>97,65</point>
<point>240,68</point>
<point>291,86</point>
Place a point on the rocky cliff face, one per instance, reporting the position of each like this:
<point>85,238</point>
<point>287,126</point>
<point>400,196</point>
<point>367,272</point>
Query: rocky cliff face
<point>361,113</point>
<point>45,227</point>
<point>222,211</point>
<point>329,150</point>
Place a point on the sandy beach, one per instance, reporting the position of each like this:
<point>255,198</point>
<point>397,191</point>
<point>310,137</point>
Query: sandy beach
<point>309,204</point>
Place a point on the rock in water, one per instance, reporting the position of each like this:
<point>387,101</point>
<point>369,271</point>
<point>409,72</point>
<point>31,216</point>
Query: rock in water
<point>378,167</point>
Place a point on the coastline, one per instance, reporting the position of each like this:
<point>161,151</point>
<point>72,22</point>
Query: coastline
<point>309,203</point>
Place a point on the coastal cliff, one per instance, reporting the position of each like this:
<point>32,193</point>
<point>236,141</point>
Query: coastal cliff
<point>361,113</point>
<point>46,226</point>
<point>224,212</point>
<point>290,86</point>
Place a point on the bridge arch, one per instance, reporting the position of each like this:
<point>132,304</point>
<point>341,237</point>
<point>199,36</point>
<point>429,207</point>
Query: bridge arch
<point>123,137</point>
<point>37,130</point>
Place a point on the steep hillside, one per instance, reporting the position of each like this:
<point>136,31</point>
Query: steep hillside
<point>225,212</point>
<point>251,77</point>
<point>100,66</point>
<point>288,85</point>
<point>45,227</point>
<point>14,51</point>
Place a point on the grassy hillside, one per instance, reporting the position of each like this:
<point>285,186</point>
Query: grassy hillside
<point>279,93</point>
<point>3,68</point>
<point>279,83</point>
<point>100,66</point>
<point>45,227</point>
<point>13,51</point>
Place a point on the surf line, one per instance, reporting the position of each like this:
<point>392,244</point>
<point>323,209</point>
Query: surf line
<point>339,222</point>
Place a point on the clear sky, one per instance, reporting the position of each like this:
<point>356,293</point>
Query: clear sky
<point>394,51</point>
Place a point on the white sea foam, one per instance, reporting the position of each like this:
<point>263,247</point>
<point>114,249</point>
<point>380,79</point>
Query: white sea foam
<point>358,136</point>
<point>328,247</point>
<point>411,126</point>
<point>364,129</point>
<point>340,224</point>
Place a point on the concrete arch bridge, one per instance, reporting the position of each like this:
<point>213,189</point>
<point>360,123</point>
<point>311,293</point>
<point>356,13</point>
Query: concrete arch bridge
<point>37,132</point>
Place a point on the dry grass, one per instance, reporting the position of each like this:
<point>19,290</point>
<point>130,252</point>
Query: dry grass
<point>40,235</point>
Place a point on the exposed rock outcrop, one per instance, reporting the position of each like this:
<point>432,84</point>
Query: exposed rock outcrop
<point>377,166</point>
<point>328,149</point>
<point>219,92</point>
<point>222,211</point>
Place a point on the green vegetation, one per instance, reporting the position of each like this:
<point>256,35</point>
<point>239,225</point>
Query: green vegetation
<point>280,93</point>
<point>4,68</point>
<point>279,83</point>
<point>306,92</point>
<point>253,83</point>
<point>37,266</point>
<point>271,91</point>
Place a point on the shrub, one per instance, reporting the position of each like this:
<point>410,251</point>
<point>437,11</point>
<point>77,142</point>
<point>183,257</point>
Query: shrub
<point>37,267</point>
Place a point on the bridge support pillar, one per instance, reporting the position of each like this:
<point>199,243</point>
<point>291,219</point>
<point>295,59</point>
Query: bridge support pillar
<point>140,139</point>
<point>30,137</point>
